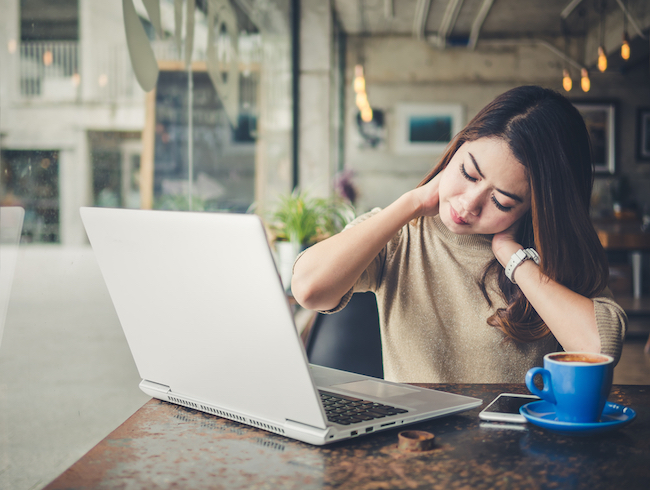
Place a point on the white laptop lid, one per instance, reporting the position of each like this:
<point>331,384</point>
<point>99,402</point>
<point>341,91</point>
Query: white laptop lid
<point>11,226</point>
<point>203,309</point>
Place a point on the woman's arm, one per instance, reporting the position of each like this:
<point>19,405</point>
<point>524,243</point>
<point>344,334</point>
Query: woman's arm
<point>328,269</point>
<point>569,315</point>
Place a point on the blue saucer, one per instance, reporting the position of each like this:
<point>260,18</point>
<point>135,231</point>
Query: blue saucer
<point>542,413</point>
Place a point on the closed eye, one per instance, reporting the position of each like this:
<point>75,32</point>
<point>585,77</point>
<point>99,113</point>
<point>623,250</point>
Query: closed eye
<point>465,174</point>
<point>500,206</point>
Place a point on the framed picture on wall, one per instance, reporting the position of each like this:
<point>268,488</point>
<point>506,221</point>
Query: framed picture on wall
<point>600,119</point>
<point>643,134</point>
<point>426,129</point>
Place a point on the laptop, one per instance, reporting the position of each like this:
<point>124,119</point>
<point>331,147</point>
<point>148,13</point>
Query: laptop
<point>210,327</point>
<point>11,226</point>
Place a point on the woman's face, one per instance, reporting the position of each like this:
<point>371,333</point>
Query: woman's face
<point>484,189</point>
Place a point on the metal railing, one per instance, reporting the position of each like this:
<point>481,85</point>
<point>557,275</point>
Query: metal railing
<point>53,71</point>
<point>49,69</point>
<point>76,72</point>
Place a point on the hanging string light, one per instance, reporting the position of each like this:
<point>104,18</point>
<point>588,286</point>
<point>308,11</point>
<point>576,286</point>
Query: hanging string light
<point>602,59</point>
<point>567,83</point>
<point>602,56</point>
<point>585,83</point>
<point>359,80</point>
<point>625,47</point>
<point>361,100</point>
<point>359,83</point>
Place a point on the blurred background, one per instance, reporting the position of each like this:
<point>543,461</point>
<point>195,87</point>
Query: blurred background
<point>263,106</point>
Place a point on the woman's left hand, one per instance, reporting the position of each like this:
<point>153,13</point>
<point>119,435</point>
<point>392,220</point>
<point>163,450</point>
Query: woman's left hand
<point>504,244</point>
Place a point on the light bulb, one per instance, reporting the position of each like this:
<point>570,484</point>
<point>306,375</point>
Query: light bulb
<point>359,84</point>
<point>585,83</point>
<point>567,83</point>
<point>366,114</point>
<point>362,101</point>
<point>48,58</point>
<point>625,47</point>
<point>602,59</point>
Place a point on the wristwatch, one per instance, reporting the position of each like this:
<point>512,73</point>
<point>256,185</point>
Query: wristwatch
<point>518,258</point>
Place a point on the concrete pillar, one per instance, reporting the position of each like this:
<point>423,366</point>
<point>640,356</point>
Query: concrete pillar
<point>9,55</point>
<point>314,145</point>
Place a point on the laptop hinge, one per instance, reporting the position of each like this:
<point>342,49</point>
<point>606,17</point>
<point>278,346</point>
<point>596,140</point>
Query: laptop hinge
<point>306,428</point>
<point>151,388</point>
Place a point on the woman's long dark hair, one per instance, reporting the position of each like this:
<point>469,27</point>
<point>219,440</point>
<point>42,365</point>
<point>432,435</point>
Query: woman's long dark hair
<point>547,134</point>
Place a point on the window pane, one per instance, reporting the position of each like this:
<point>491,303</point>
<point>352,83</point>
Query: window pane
<point>77,129</point>
<point>30,179</point>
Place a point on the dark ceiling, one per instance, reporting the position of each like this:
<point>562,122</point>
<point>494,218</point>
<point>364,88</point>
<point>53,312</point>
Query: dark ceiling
<point>481,24</point>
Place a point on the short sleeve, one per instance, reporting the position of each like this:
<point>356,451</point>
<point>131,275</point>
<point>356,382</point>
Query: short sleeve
<point>612,324</point>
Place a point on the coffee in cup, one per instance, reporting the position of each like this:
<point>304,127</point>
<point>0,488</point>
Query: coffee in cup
<point>578,357</point>
<point>577,383</point>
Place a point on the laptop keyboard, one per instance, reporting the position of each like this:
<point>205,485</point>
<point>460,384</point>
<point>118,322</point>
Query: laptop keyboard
<point>346,410</point>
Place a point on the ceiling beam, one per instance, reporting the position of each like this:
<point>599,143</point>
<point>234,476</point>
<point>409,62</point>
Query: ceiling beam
<point>630,19</point>
<point>420,19</point>
<point>569,8</point>
<point>449,20</point>
<point>478,24</point>
<point>447,24</point>
<point>389,9</point>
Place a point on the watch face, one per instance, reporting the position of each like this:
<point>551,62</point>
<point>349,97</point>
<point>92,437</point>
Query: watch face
<point>531,253</point>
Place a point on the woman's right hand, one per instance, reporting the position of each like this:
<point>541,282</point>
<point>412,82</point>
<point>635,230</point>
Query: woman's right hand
<point>428,197</point>
<point>328,269</point>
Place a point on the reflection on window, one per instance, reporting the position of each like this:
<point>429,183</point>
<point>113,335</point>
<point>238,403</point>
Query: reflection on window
<point>223,156</point>
<point>30,179</point>
<point>116,168</point>
<point>76,128</point>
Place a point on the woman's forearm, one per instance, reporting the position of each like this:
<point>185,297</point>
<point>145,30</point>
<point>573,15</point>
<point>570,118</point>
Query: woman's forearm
<point>328,269</point>
<point>569,316</point>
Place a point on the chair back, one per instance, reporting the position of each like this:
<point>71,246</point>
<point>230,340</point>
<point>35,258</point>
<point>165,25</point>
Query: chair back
<point>348,339</point>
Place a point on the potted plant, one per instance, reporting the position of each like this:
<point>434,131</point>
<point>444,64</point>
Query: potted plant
<point>300,220</point>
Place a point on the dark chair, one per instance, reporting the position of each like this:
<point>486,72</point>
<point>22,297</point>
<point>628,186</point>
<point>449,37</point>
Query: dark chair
<point>349,339</point>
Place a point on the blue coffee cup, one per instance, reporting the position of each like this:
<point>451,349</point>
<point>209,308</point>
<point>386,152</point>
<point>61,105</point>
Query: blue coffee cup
<point>577,383</point>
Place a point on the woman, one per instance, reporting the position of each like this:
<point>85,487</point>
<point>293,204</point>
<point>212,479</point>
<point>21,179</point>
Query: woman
<point>491,262</point>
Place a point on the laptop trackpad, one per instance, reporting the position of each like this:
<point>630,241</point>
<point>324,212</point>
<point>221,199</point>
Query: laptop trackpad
<point>375,388</point>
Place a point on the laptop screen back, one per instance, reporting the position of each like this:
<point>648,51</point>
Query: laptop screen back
<point>203,309</point>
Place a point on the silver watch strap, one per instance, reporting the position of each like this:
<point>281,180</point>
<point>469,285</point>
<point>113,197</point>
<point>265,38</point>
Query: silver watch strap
<point>518,258</point>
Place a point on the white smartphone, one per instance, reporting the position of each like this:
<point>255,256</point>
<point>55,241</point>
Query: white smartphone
<point>505,408</point>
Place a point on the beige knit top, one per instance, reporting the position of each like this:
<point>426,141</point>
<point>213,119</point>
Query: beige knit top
<point>433,316</point>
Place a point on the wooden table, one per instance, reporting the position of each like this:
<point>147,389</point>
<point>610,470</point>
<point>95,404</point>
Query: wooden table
<point>626,236</point>
<point>168,446</point>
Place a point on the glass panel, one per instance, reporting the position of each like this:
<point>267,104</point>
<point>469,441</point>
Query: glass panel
<point>30,179</point>
<point>77,129</point>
